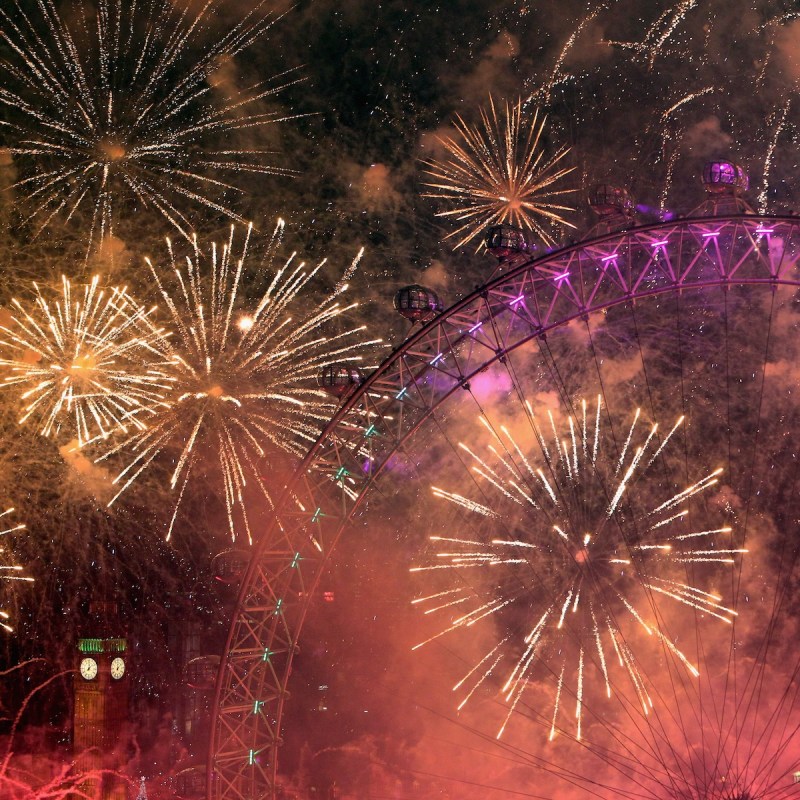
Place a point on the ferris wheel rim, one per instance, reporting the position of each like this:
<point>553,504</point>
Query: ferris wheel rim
<point>525,266</point>
<point>521,268</point>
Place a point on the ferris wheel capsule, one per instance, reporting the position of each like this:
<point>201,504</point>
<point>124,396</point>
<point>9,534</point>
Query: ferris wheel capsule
<point>230,565</point>
<point>614,206</point>
<point>607,200</point>
<point>725,183</point>
<point>504,241</point>
<point>417,303</point>
<point>201,672</point>
<point>725,177</point>
<point>339,380</point>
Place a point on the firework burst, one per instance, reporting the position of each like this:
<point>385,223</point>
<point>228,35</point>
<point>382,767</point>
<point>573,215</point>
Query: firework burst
<point>498,172</point>
<point>577,552</point>
<point>84,360</point>
<point>113,109</point>
<point>244,373</point>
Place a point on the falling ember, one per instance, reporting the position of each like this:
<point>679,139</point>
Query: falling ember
<point>498,173</point>
<point>240,393</point>
<point>117,106</point>
<point>586,538</point>
<point>82,360</point>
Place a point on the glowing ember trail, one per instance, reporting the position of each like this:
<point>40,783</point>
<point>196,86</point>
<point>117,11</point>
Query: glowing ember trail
<point>240,392</point>
<point>498,173</point>
<point>9,571</point>
<point>84,360</point>
<point>569,558</point>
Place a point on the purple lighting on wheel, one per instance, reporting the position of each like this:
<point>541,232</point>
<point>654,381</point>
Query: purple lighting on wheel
<point>517,300</point>
<point>475,327</point>
<point>563,276</point>
<point>660,244</point>
<point>664,214</point>
<point>765,230</point>
<point>709,235</point>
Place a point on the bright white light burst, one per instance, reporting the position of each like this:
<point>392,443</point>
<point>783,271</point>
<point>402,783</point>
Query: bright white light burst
<point>243,370</point>
<point>83,359</point>
<point>125,105</point>
<point>568,557</point>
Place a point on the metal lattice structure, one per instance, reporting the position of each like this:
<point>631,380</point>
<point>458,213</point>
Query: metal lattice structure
<point>529,300</point>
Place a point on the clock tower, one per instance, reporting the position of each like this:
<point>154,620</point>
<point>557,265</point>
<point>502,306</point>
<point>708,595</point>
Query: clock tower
<point>101,704</point>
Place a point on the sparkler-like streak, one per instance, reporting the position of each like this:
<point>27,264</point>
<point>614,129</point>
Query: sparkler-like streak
<point>773,143</point>
<point>588,543</point>
<point>498,172</point>
<point>124,107</point>
<point>664,27</point>
<point>243,372</point>
<point>688,98</point>
<point>546,90</point>
<point>84,360</point>
<point>9,570</point>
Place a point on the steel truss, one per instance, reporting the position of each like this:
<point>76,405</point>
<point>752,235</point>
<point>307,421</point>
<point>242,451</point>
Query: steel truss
<point>531,299</point>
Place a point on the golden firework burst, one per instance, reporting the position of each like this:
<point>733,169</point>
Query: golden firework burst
<point>84,359</point>
<point>499,172</point>
<point>571,558</point>
<point>243,372</point>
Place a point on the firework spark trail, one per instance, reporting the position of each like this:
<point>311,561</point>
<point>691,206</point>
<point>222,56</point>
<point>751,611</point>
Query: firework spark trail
<point>85,361</point>
<point>483,677</point>
<point>600,652</point>
<point>684,100</point>
<point>122,110</point>
<point>498,173</point>
<point>672,161</point>
<point>603,540</point>
<point>773,143</point>
<point>9,571</point>
<point>545,92</point>
<point>658,36</point>
<point>240,393</point>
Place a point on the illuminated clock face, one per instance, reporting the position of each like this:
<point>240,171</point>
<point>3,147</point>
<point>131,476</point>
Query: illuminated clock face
<point>88,669</point>
<point>117,668</point>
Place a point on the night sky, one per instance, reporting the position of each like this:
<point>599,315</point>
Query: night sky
<point>642,94</point>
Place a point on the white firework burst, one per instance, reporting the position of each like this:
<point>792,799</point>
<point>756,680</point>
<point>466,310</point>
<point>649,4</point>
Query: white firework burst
<point>573,552</point>
<point>116,108</point>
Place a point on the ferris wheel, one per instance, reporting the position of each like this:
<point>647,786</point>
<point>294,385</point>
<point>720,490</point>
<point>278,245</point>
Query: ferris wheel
<point>595,453</point>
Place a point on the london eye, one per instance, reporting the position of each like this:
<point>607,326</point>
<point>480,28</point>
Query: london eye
<point>588,467</point>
